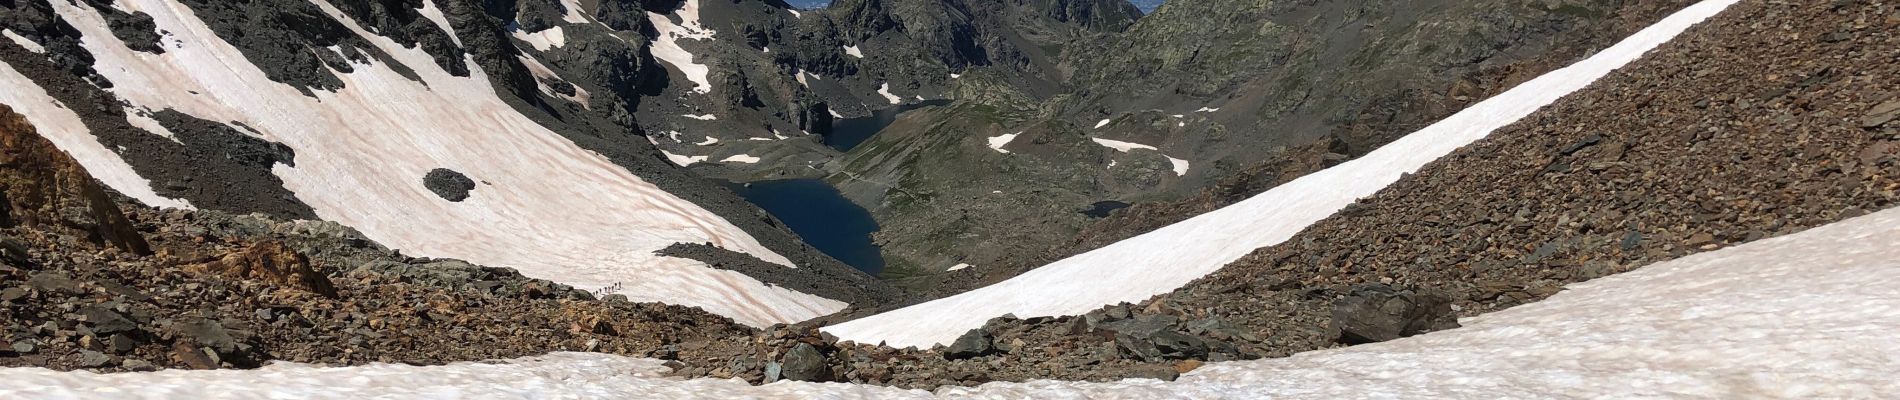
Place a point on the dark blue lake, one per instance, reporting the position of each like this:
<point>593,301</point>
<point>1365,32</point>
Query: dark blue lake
<point>849,132</point>
<point>1101,209</point>
<point>822,216</point>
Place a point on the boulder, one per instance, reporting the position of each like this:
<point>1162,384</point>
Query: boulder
<point>1377,313</point>
<point>975,343</point>
<point>805,363</point>
<point>273,262</point>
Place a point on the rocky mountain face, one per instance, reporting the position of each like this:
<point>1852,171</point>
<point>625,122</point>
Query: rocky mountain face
<point>777,78</point>
<point>1221,92</point>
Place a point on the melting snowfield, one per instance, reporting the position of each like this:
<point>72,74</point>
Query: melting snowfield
<point>1160,261</point>
<point>667,48</point>
<point>1800,316</point>
<point>545,206</point>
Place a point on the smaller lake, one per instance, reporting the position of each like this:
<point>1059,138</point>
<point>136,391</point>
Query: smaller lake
<point>822,216</point>
<point>849,132</point>
<point>1101,209</point>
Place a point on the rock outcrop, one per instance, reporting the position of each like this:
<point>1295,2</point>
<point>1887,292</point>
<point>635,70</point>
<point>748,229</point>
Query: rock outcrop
<point>41,186</point>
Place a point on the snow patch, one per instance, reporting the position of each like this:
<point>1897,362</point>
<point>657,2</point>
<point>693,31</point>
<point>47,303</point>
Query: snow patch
<point>853,51</point>
<point>886,92</point>
<point>667,47</point>
<point>29,44</point>
<point>958,267</point>
<point>575,14</point>
<point>542,74</point>
<point>709,141</point>
<point>435,15</point>
<point>795,13</point>
<point>997,142</point>
<point>1164,259</point>
<point>1180,165</point>
<point>1206,109</point>
<point>741,158</point>
<point>707,117</point>
<point>142,119</point>
<point>544,39</point>
<point>368,143</point>
<point>1099,125</point>
<point>834,113</point>
<point>954,75</point>
<point>1122,146</point>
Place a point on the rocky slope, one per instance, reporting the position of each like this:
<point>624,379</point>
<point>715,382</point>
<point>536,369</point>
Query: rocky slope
<point>1204,105</point>
<point>87,281</point>
<point>1768,119</point>
<point>235,167</point>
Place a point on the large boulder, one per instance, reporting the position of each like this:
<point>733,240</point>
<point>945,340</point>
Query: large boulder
<point>1377,313</point>
<point>973,344</point>
<point>273,262</point>
<point>805,363</point>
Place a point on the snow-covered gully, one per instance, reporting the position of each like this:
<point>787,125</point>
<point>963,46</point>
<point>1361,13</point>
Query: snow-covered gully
<point>1787,317</point>
<point>1160,261</point>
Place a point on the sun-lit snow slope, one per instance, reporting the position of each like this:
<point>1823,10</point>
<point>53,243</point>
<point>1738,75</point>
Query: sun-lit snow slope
<point>1160,261</point>
<point>545,206</point>
<point>1788,317</point>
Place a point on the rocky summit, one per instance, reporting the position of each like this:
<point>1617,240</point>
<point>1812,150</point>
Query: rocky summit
<point>658,189</point>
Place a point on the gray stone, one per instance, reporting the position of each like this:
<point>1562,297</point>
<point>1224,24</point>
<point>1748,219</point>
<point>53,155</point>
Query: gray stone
<point>25,347</point>
<point>773,371</point>
<point>1881,114</point>
<point>52,282</point>
<point>209,334</point>
<point>975,343</point>
<point>805,363</point>
<point>1141,327</point>
<point>93,359</point>
<point>12,294</point>
<point>138,365</point>
<point>104,321</point>
<point>1377,313</point>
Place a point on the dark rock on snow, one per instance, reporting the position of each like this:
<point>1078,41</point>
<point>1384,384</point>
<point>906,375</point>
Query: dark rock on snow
<point>451,185</point>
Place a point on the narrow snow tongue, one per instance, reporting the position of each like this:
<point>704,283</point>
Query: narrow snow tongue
<point>1165,259</point>
<point>405,141</point>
